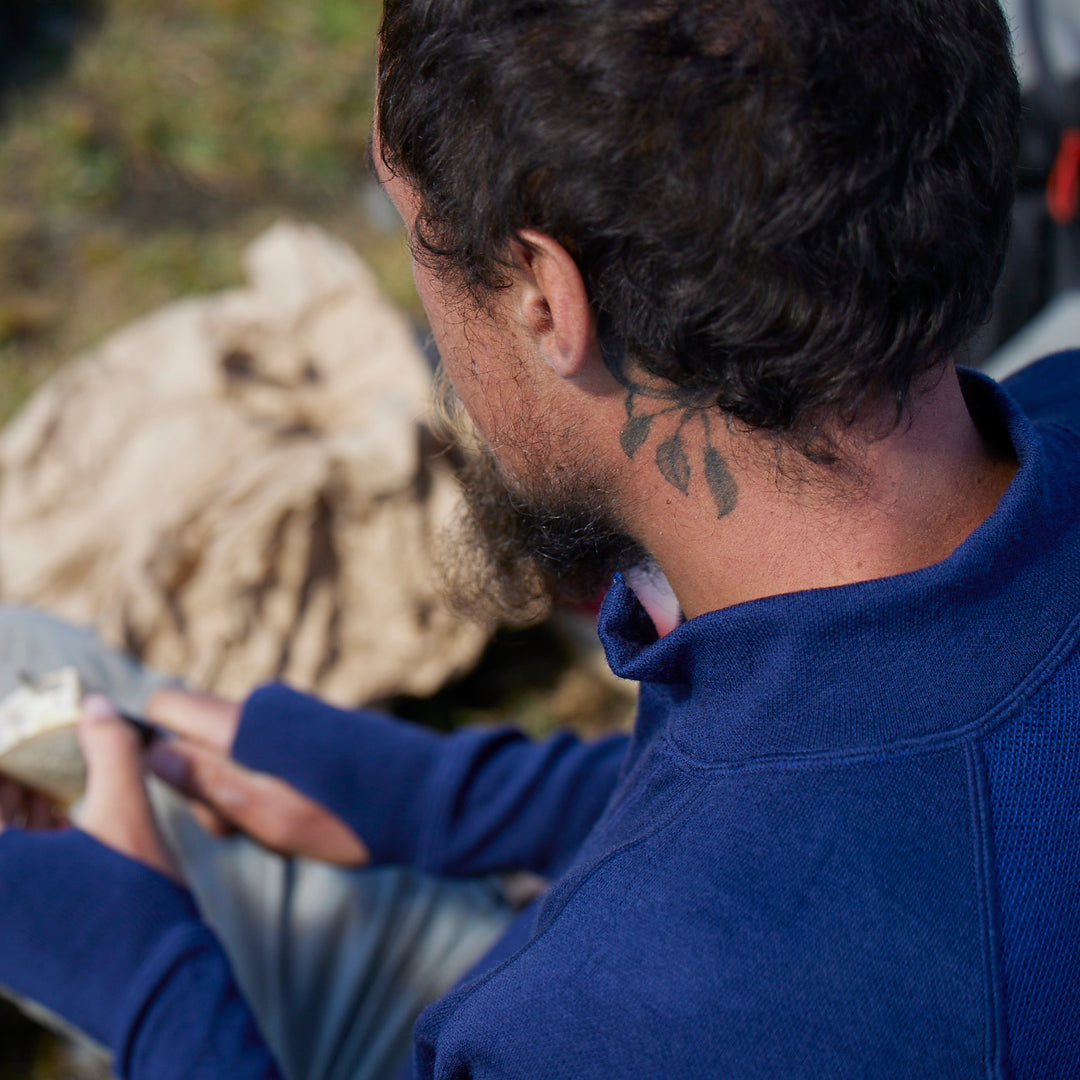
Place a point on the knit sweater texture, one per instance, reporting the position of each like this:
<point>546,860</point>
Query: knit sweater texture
<point>843,839</point>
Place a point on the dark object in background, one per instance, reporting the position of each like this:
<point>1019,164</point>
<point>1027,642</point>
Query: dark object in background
<point>38,36</point>
<point>20,1042</point>
<point>1044,250</point>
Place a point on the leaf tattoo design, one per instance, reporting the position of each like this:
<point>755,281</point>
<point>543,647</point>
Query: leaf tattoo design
<point>722,486</point>
<point>673,463</point>
<point>671,457</point>
<point>635,434</point>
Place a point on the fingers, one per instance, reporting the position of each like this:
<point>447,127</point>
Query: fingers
<point>21,806</point>
<point>203,774</point>
<point>201,718</point>
<point>266,808</point>
<point>12,803</point>
<point>211,821</point>
<point>116,809</point>
<point>44,813</point>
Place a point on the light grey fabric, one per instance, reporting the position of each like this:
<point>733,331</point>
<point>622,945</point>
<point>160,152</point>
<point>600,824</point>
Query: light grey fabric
<point>36,643</point>
<point>335,964</point>
<point>1061,19</point>
<point>1055,328</point>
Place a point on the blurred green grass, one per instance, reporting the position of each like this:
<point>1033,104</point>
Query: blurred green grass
<point>175,131</point>
<point>143,144</point>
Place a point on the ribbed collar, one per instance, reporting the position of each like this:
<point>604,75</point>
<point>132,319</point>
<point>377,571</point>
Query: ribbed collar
<point>867,665</point>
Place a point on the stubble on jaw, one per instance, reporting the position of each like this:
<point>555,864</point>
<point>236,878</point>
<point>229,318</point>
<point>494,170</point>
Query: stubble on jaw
<point>520,545</point>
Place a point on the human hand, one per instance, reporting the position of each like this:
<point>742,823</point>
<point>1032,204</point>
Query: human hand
<point>226,796</point>
<point>115,808</point>
<point>24,807</point>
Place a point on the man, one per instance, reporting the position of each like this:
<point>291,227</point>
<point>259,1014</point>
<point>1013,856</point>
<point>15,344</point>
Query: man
<point>699,272</point>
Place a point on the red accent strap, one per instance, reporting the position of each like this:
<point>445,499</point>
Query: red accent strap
<point>1063,186</point>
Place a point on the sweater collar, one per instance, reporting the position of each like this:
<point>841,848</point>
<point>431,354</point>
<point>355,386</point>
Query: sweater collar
<point>867,665</point>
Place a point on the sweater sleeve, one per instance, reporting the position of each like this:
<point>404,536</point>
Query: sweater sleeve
<point>119,951</point>
<point>464,804</point>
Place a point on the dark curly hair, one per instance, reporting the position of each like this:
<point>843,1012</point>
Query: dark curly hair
<point>780,206</point>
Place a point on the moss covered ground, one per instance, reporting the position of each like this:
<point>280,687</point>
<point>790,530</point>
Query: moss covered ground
<point>144,142</point>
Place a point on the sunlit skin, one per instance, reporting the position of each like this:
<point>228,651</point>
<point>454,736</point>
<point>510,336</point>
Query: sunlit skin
<point>520,406</point>
<point>530,374</point>
<point>533,370</point>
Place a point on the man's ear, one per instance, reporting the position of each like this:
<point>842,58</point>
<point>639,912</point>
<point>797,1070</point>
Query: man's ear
<point>555,306</point>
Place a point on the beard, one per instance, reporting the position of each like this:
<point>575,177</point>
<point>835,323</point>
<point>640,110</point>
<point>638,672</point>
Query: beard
<point>521,545</point>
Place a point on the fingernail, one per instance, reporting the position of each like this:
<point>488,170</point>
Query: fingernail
<point>163,762</point>
<point>98,707</point>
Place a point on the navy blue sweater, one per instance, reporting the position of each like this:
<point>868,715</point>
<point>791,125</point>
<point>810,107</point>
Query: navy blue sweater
<point>843,841</point>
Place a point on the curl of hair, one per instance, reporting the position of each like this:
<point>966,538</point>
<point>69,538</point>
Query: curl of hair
<point>781,206</point>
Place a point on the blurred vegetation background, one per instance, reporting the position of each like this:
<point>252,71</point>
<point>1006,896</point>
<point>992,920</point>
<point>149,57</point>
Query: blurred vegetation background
<point>143,143</point>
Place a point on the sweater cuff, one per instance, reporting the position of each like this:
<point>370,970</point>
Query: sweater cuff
<point>372,771</point>
<point>82,925</point>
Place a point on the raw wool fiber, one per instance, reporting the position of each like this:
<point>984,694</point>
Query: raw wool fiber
<point>235,488</point>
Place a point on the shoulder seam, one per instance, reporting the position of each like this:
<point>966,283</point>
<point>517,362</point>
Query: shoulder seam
<point>995,1035</point>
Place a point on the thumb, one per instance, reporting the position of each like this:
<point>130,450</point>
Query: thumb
<point>265,807</point>
<point>116,809</point>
